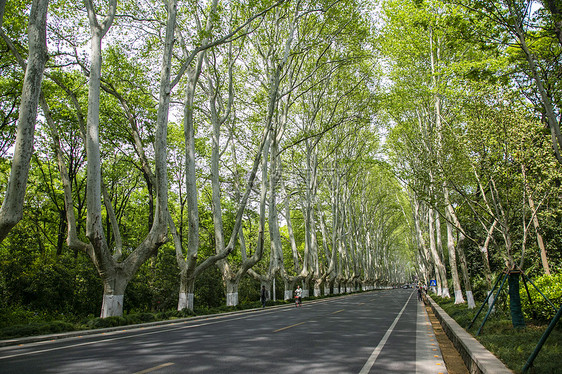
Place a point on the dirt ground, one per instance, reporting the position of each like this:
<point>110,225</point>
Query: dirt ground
<point>452,358</point>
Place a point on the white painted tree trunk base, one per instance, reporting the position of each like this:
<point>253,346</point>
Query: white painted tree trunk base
<point>336,290</point>
<point>288,295</point>
<point>326,291</point>
<point>470,300</point>
<point>459,299</point>
<point>112,306</point>
<point>185,301</point>
<point>305,293</point>
<point>445,293</point>
<point>317,292</point>
<point>232,299</point>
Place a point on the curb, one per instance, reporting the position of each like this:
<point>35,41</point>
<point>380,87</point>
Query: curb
<point>476,357</point>
<point>79,333</point>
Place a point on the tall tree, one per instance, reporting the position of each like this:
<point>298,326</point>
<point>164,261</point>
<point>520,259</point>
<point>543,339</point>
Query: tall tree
<point>12,205</point>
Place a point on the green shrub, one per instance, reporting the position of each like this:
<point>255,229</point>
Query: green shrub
<point>17,331</point>
<point>147,317</point>
<point>171,314</point>
<point>541,310</point>
<point>59,326</point>
<point>16,316</point>
<point>100,323</point>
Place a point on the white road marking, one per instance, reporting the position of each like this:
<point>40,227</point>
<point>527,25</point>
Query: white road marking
<point>371,361</point>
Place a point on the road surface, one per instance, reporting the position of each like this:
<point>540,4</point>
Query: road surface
<point>373,332</point>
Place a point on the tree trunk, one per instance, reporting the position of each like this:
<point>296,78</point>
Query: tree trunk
<point>441,264</point>
<point>540,242</point>
<point>453,264</point>
<point>187,288</point>
<point>517,318</point>
<point>114,286</point>
<point>232,291</point>
<point>433,249</point>
<point>11,211</point>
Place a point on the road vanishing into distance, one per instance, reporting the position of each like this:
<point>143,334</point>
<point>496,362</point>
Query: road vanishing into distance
<point>383,331</point>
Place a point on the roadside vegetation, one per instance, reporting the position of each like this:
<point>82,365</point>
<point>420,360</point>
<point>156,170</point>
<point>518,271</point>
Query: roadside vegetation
<point>514,346</point>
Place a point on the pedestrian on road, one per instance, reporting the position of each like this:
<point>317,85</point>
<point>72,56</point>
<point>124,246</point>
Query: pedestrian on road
<point>298,296</point>
<point>263,297</point>
<point>419,293</point>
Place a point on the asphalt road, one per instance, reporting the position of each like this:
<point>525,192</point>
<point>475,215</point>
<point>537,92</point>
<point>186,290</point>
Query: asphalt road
<point>373,332</point>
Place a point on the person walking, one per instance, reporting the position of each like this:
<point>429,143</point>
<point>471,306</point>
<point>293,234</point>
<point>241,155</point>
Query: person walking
<point>298,296</point>
<point>263,296</point>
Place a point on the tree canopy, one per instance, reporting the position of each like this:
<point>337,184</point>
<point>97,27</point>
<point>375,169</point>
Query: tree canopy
<point>170,154</point>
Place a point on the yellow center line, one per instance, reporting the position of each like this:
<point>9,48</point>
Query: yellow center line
<point>288,327</point>
<point>154,368</point>
<point>339,311</point>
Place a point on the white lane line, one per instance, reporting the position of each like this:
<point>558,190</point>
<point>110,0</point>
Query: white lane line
<point>371,361</point>
<point>154,368</point>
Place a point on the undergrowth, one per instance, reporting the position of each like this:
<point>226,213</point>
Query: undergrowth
<point>512,346</point>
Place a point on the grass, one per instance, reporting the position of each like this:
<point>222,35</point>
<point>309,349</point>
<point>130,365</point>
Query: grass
<point>512,346</point>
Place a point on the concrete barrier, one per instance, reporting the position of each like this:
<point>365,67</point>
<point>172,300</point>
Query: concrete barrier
<point>476,357</point>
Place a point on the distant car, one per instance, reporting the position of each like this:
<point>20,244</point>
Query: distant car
<point>406,286</point>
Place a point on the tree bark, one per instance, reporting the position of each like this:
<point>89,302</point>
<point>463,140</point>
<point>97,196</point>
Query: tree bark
<point>540,242</point>
<point>459,299</point>
<point>11,211</point>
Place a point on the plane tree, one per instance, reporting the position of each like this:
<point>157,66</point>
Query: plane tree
<point>11,210</point>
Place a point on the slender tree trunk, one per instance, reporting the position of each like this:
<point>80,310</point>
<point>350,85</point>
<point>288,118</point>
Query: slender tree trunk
<point>441,266</point>
<point>433,249</point>
<point>453,264</point>
<point>462,258</point>
<point>540,242</point>
<point>11,211</point>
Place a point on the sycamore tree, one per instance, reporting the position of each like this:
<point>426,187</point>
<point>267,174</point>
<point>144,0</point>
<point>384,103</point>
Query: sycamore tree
<point>211,59</point>
<point>102,238</point>
<point>14,194</point>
